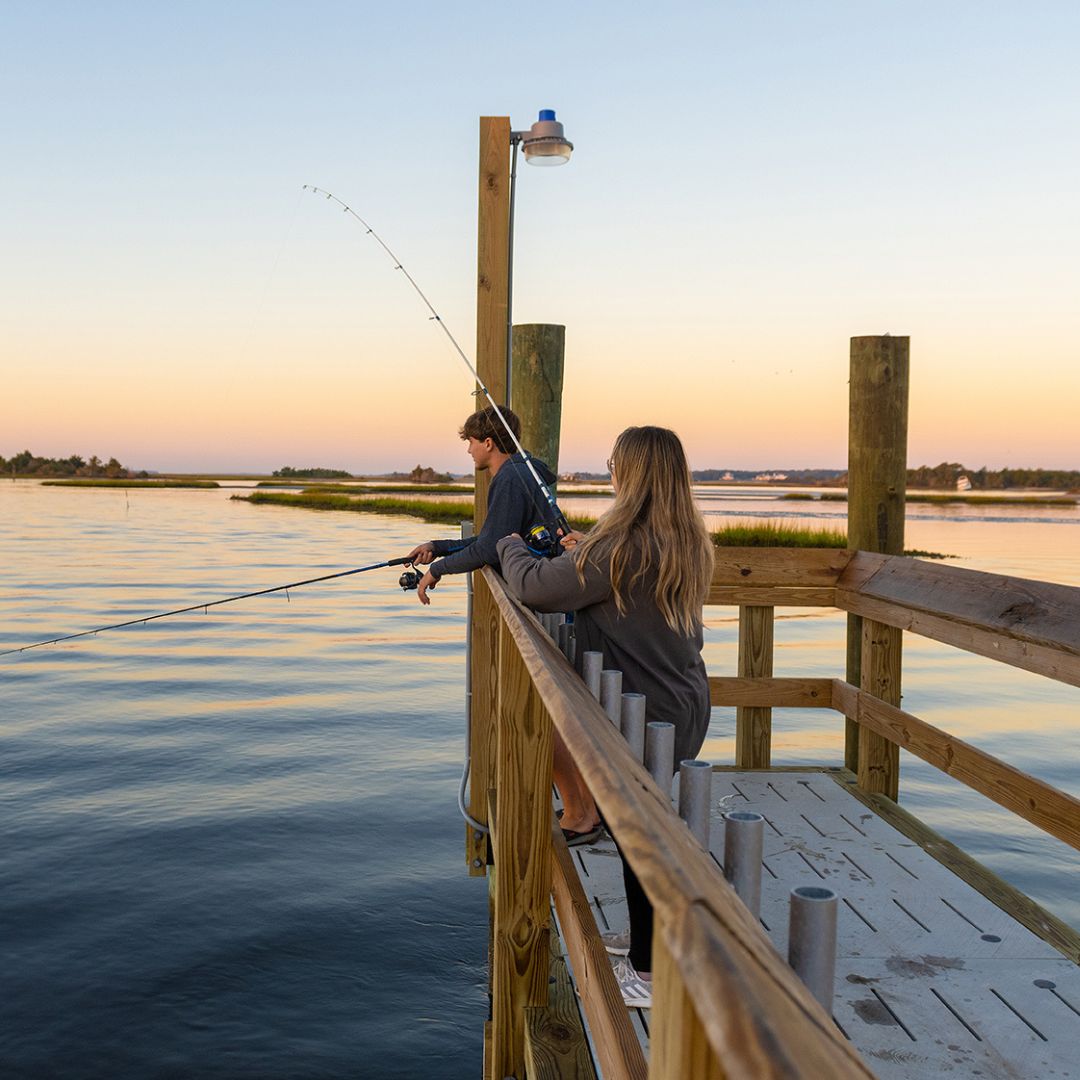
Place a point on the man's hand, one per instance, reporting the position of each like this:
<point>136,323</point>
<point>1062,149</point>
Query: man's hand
<point>572,539</point>
<point>428,581</point>
<point>421,555</point>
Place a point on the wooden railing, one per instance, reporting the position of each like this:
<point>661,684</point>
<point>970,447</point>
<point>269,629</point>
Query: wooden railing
<point>724,1002</point>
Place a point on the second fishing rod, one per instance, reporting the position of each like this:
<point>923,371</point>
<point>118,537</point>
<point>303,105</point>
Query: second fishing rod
<point>542,539</point>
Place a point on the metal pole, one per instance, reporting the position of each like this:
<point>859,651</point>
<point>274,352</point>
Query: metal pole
<point>695,797</point>
<point>565,630</point>
<point>632,724</point>
<point>591,665</point>
<point>812,940</point>
<point>660,753</point>
<point>611,694</point>
<point>744,834</point>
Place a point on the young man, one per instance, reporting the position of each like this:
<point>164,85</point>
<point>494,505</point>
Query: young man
<point>514,503</point>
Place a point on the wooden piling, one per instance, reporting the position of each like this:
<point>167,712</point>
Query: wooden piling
<point>537,365</point>
<point>877,480</point>
<point>492,289</point>
<point>753,724</point>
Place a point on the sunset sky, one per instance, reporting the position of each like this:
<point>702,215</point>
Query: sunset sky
<point>752,185</point>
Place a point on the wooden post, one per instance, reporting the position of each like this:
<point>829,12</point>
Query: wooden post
<point>493,238</point>
<point>877,480</point>
<point>536,397</point>
<point>520,961</point>
<point>678,1045</point>
<point>492,274</point>
<point>753,725</point>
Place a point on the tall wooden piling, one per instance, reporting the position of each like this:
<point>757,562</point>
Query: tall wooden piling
<point>537,381</point>
<point>492,291</point>
<point>877,481</point>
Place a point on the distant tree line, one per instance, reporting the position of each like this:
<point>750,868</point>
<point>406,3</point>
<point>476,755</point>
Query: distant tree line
<point>28,464</point>
<point>945,475</point>
<point>315,473</point>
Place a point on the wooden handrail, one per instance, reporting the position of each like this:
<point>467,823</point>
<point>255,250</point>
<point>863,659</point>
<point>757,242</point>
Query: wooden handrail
<point>697,911</point>
<point>792,577</point>
<point>1033,625</point>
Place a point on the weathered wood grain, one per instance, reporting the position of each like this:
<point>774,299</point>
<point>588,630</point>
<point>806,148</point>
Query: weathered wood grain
<point>1043,805</point>
<point>779,567</point>
<point>730,690</point>
<point>678,1045</point>
<point>1033,625</point>
<point>556,1047</point>
<point>484,658</point>
<point>520,960</point>
<point>753,723</point>
<point>879,758</point>
<point>617,1047</point>
<point>787,1023</point>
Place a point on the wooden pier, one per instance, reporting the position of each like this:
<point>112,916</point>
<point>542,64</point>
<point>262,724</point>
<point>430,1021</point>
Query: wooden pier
<point>942,967</point>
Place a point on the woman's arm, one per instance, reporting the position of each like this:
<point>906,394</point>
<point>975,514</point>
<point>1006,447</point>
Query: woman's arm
<point>549,584</point>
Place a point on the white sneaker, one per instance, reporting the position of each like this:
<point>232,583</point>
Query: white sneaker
<point>636,992</point>
<point>617,942</point>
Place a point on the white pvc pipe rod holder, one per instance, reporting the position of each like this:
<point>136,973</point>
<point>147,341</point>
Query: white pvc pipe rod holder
<point>591,665</point>
<point>565,630</point>
<point>632,724</point>
<point>695,797</point>
<point>611,694</point>
<point>744,837</point>
<point>812,940</point>
<point>660,753</point>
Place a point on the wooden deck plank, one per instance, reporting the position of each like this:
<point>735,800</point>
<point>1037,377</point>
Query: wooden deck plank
<point>922,952</point>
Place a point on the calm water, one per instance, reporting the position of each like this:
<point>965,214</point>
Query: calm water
<point>230,844</point>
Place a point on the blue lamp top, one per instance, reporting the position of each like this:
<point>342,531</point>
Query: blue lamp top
<point>547,114</point>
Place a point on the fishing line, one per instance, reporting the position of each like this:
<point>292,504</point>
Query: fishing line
<point>552,506</point>
<point>209,604</point>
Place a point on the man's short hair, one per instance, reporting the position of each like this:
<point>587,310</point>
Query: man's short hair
<point>486,424</point>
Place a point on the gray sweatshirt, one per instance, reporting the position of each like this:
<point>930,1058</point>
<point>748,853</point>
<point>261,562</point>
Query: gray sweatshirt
<point>514,505</point>
<point>656,661</point>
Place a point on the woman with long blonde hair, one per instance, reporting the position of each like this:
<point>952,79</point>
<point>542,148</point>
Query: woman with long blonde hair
<point>637,584</point>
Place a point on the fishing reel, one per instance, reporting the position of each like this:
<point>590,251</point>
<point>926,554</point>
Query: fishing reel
<point>410,579</point>
<point>542,541</point>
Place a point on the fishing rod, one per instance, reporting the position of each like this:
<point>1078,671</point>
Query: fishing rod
<point>408,580</point>
<point>540,537</point>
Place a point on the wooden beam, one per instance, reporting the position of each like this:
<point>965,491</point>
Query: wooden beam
<point>879,758</point>
<point>484,658</point>
<point>1034,800</point>
<point>729,690</point>
<point>522,855</point>
<point>877,470</point>
<point>536,394</point>
<point>1033,625</point>
<point>492,274</point>
<point>678,1045</point>
<point>556,1046</point>
<point>677,874</point>
<point>772,595</point>
<point>753,723</point>
<point>617,1048</point>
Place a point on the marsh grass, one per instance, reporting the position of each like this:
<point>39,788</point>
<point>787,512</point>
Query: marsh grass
<point>778,534</point>
<point>105,483</point>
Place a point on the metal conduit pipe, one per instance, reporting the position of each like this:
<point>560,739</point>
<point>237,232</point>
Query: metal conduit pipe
<point>632,724</point>
<point>695,798</point>
<point>611,694</point>
<point>660,753</point>
<point>812,940</point>
<point>744,834</point>
<point>591,665</point>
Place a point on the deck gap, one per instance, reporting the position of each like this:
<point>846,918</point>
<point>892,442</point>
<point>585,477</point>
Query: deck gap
<point>603,913</point>
<point>776,792</point>
<point>956,1014</point>
<point>814,827</point>
<point>914,918</point>
<point>812,866</point>
<point>806,784</point>
<point>902,866</point>
<point>852,824</point>
<point>859,914</point>
<point>1013,1009</point>
<point>857,866</point>
<point>841,1028</point>
<point>892,1012</point>
<point>957,911</point>
<point>769,870</point>
<point>1064,1001</point>
<point>772,826</point>
<point>738,791</point>
<point>581,863</point>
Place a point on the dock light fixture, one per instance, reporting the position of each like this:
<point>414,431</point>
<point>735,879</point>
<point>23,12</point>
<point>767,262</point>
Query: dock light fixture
<point>544,143</point>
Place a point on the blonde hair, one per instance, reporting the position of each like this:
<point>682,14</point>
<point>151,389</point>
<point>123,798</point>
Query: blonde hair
<point>653,519</point>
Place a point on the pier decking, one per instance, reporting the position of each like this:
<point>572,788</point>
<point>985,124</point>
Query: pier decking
<point>932,977</point>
